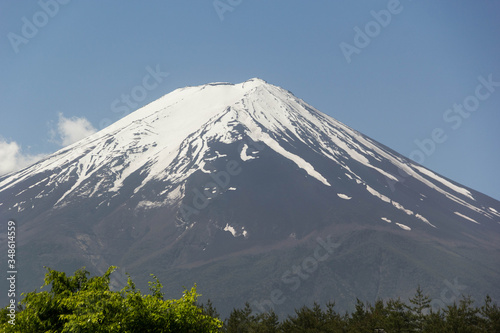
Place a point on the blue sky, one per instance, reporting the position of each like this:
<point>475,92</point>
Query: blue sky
<point>64,63</point>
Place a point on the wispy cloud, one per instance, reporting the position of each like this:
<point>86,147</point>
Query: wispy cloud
<point>71,130</point>
<point>67,131</point>
<point>12,157</point>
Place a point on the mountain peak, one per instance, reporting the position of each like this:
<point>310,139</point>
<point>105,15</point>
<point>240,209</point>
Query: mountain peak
<point>253,81</point>
<point>155,139</point>
<point>256,80</point>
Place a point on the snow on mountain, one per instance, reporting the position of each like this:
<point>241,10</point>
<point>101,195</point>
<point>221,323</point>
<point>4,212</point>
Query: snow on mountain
<point>168,140</point>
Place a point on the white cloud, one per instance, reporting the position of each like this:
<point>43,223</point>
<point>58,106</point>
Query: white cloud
<point>71,130</point>
<point>12,158</point>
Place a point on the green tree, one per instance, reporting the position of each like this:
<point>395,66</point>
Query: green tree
<point>419,308</point>
<point>81,304</point>
<point>306,320</point>
<point>244,321</point>
<point>240,320</point>
<point>359,320</point>
<point>463,317</point>
<point>491,314</point>
<point>334,321</point>
<point>266,323</point>
<point>377,316</point>
<point>434,322</point>
<point>209,309</point>
<point>398,318</point>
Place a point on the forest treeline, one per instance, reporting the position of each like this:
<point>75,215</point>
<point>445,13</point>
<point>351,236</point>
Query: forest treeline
<point>81,304</point>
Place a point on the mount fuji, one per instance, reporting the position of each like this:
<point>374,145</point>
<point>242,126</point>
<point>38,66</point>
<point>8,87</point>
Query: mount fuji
<point>255,196</point>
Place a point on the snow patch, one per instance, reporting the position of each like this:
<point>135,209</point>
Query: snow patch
<point>176,194</point>
<point>378,195</point>
<point>257,135</point>
<point>202,167</point>
<point>493,211</point>
<point>21,192</point>
<point>395,204</point>
<point>443,181</point>
<point>400,207</point>
<point>230,229</point>
<point>420,217</point>
<point>466,217</point>
<point>243,154</point>
<point>146,204</point>
<point>218,155</point>
<point>404,227</point>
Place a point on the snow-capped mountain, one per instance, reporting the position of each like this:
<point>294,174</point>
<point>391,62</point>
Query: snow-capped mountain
<point>247,177</point>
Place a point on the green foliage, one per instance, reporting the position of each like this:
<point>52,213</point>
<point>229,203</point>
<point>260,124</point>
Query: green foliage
<point>81,304</point>
<point>463,317</point>
<point>419,305</point>
<point>391,316</point>
<point>243,321</point>
<point>398,318</point>
<point>491,314</point>
<point>314,320</point>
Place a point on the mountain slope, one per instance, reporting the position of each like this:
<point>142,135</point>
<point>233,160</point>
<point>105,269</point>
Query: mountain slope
<point>249,179</point>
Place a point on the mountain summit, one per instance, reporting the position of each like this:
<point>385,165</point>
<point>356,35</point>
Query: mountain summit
<point>256,196</point>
